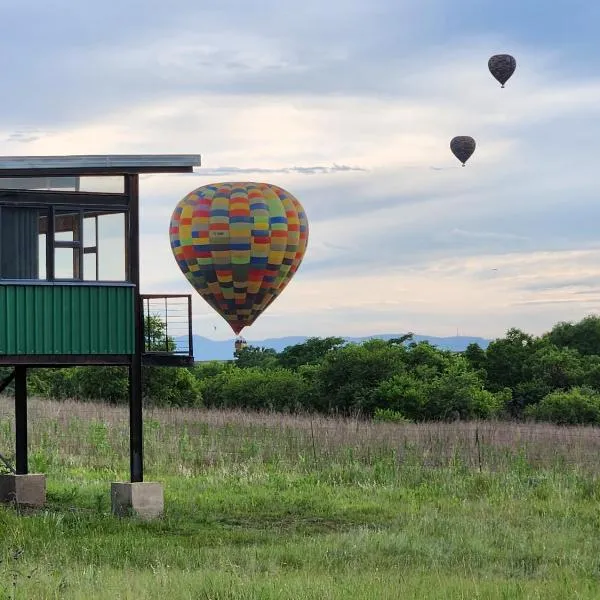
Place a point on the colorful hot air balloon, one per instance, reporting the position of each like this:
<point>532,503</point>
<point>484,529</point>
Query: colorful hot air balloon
<point>239,245</point>
<point>502,66</point>
<point>462,147</point>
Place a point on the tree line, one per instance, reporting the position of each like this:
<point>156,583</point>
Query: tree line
<point>553,377</point>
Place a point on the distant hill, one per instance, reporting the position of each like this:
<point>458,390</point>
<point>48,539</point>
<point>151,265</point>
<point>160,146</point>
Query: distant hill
<point>206,349</point>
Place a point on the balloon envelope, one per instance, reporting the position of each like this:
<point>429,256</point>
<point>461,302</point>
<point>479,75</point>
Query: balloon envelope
<point>239,245</point>
<point>462,147</point>
<point>502,66</point>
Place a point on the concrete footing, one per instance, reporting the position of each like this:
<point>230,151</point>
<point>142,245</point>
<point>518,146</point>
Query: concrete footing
<point>25,490</point>
<point>141,499</point>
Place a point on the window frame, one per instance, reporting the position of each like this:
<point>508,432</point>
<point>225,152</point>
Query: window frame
<point>73,207</point>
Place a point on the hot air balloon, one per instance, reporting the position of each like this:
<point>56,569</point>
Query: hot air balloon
<point>502,66</point>
<point>239,245</point>
<point>240,344</point>
<point>462,147</point>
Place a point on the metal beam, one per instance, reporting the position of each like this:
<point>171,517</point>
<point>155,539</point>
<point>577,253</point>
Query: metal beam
<point>114,164</point>
<point>21,420</point>
<point>136,439</point>
<point>56,197</point>
<point>167,359</point>
<point>64,360</point>
<point>7,381</point>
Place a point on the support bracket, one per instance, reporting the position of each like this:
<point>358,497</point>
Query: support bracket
<point>7,381</point>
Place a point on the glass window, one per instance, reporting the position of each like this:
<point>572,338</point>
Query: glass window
<point>22,243</point>
<point>111,245</point>
<point>90,245</point>
<point>66,263</point>
<point>109,184</point>
<point>87,245</point>
<point>67,226</point>
<point>90,266</point>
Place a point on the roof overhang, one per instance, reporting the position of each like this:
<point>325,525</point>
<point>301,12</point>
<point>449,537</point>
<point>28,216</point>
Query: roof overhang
<point>109,164</point>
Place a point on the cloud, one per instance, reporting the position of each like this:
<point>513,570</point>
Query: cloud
<point>218,171</point>
<point>364,98</point>
<point>24,137</point>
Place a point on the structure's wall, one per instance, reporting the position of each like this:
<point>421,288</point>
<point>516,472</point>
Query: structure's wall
<point>66,319</point>
<point>19,243</point>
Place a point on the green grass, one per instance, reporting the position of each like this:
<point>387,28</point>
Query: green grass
<point>273,507</point>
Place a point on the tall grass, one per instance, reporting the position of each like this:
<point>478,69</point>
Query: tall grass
<point>96,436</point>
<point>276,507</point>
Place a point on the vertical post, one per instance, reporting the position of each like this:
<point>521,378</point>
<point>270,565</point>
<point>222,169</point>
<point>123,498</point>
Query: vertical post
<point>190,332</point>
<point>21,419</point>
<point>136,439</point>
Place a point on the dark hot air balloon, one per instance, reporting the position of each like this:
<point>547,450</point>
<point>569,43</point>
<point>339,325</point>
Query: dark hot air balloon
<point>239,245</point>
<point>502,66</point>
<point>462,147</point>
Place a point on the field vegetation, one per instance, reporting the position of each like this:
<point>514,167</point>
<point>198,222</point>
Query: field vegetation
<point>326,471</point>
<point>554,377</point>
<point>275,506</point>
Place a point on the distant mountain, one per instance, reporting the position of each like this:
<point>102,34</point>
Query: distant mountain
<point>206,349</point>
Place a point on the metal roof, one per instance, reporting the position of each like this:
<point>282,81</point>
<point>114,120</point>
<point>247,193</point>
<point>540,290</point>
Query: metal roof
<point>108,164</point>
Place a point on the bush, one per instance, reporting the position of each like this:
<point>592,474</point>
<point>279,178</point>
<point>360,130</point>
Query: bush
<point>577,406</point>
<point>168,386</point>
<point>348,377</point>
<point>456,393</point>
<point>257,389</point>
<point>386,415</point>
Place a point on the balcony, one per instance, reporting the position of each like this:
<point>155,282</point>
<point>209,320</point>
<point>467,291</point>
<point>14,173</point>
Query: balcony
<point>167,330</point>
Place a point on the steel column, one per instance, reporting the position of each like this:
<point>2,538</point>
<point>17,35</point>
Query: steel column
<point>136,434</point>
<point>21,420</point>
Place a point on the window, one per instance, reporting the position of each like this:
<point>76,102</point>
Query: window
<point>68,244</point>
<point>82,245</point>
<point>90,245</point>
<point>112,183</point>
<point>111,241</point>
<point>23,242</point>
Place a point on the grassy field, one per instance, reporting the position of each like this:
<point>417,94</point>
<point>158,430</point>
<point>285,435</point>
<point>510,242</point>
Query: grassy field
<point>272,506</point>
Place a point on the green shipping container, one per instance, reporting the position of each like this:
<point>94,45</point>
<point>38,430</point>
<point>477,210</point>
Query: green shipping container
<point>38,318</point>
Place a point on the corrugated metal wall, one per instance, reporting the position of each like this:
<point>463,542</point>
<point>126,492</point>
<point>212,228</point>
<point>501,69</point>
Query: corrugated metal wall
<point>66,319</point>
<point>19,243</point>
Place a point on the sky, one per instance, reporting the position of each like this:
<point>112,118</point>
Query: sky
<point>350,105</point>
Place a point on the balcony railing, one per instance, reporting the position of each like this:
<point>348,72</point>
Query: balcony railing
<point>168,337</point>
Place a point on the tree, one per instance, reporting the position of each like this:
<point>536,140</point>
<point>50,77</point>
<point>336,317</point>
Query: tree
<point>407,337</point>
<point>311,352</point>
<point>508,358</point>
<point>583,336</point>
<point>253,356</point>
<point>349,376</point>
<point>557,368</point>
<point>477,358</point>
<point>156,336</point>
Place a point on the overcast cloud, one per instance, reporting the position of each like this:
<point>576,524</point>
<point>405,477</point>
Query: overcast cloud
<point>350,105</point>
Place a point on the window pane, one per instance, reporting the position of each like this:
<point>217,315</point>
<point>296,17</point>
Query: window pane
<point>42,256</point>
<point>64,263</point>
<point>110,184</point>
<point>22,244</point>
<point>111,247</point>
<point>89,230</point>
<point>67,226</point>
<point>89,267</point>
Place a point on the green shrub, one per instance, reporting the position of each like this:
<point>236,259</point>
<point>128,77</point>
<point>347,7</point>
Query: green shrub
<point>456,393</point>
<point>577,406</point>
<point>386,415</point>
<point>168,386</point>
<point>257,389</point>
<point>349,376</point>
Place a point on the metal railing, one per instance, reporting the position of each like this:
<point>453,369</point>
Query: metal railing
<point>167,324</point>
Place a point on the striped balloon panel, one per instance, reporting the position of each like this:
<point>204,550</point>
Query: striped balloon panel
<point>239,245</point>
